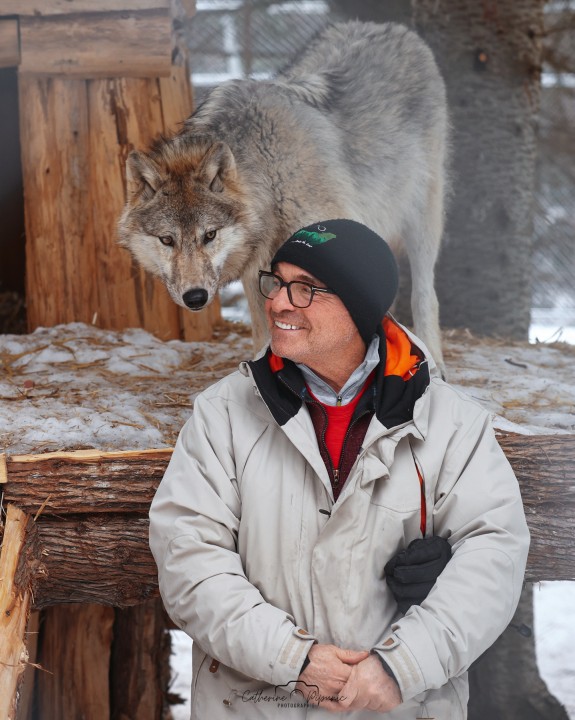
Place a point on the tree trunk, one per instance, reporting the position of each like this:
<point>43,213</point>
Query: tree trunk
<point>504,683</point>
<point>490,55</point>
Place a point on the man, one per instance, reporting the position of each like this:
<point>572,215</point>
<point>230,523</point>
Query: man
<point>301,476</point>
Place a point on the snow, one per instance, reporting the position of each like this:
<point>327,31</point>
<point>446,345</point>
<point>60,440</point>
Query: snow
<point>75,386</point>
<point>554,619</point>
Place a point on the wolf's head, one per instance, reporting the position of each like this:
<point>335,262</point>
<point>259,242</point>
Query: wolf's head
<point>186,219</point>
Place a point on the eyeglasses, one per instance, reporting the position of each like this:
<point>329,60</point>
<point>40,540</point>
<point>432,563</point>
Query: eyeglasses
<point>300,293</point>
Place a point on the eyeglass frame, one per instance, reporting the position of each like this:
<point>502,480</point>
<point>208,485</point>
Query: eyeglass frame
<point>313,288</point>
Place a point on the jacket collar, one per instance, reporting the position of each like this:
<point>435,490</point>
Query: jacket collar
<point>402,377</point>
<point>327,395</point>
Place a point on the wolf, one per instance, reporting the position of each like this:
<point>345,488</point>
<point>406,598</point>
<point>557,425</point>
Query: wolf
<point>357,127</point>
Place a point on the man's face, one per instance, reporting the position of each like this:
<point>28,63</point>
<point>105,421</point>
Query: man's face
<point>322,336</point>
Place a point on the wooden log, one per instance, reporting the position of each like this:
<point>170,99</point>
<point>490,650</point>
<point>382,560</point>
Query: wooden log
<point>14,609</point>
<point>85,481</point>
<point>93,526</point>
<point>99,45</point>
<point>102,559</point>
<point>9,43</point>
<point>75,654</point>
<point>545,468</point>
<point>40,8</point>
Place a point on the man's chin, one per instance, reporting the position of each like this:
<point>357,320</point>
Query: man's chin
<point>283,347</point>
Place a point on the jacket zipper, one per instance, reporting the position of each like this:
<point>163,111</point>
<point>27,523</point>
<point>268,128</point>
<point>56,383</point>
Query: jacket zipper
<point>336,471</point>
<point>334,474</point>
<point>347,433</point>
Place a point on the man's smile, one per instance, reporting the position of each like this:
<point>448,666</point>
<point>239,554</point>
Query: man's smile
<point>286,326</point>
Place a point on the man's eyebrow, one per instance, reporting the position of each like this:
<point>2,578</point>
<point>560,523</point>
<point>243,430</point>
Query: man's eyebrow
<point>304,277</point>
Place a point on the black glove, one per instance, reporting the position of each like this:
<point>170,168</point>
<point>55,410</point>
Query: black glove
<point>412,572</point>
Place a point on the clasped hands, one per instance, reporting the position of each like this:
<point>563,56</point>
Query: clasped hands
<point>341,680</point>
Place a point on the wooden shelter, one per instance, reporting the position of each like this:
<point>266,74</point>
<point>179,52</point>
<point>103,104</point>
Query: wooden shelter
<point>96,79</point>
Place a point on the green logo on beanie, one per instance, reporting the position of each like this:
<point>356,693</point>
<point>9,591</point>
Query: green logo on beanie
<point>314,238</point>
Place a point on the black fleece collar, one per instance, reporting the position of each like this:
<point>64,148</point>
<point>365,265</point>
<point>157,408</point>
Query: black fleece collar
<point>284,391</point>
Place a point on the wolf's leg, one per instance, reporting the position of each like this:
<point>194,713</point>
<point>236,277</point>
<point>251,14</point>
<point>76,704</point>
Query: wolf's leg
<point>422,240</point>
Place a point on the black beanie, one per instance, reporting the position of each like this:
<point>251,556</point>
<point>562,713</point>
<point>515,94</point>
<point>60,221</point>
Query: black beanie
<point>353,261</point>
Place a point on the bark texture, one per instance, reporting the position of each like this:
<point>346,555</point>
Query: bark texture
<point>92,525</point>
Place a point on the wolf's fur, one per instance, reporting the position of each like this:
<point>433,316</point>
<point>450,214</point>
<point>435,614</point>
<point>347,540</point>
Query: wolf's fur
<point>356,128</point>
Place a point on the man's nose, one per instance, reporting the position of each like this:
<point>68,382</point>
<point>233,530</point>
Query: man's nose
<point>282,301</point>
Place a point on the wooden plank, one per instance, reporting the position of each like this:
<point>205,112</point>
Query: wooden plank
<point>9,43</point>
<point>40,8</point>
<point>14,610</point>
<point>140,667</point>
<point>26,690</point>
<point>3,469</point>
<point>89,46</point>
<point>123,114</point>
<point>75,270</point>
<point>75,652</point>
<point>61,285</point>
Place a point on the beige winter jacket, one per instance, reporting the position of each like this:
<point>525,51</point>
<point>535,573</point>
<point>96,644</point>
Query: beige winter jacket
<point>254,568</point>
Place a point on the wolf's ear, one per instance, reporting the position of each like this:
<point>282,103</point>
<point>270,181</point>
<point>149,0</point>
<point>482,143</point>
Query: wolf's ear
<point>143,177</point>
<point>217,167</point>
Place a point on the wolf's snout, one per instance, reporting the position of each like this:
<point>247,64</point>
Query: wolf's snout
<point>195,298</point>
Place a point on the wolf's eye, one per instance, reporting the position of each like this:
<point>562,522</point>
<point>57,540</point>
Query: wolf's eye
<point>210,235</point>
<point>166,240</point>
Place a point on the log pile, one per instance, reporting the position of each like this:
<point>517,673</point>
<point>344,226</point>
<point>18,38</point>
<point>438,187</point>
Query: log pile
<point>76,531</point>
<point>91,530</point>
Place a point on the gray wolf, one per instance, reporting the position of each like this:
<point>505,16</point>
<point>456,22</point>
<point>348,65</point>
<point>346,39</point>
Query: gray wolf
<point>356,128</point>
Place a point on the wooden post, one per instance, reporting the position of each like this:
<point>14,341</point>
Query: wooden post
<point>14,610</point>
<point>75,658</point>
<point>140,665</point>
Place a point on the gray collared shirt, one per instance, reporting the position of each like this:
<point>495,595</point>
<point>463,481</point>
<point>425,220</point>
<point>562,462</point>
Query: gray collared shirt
<point>327,395</point>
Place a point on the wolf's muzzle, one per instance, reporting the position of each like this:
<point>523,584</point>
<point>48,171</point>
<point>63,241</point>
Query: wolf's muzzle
<point>196,298</point>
